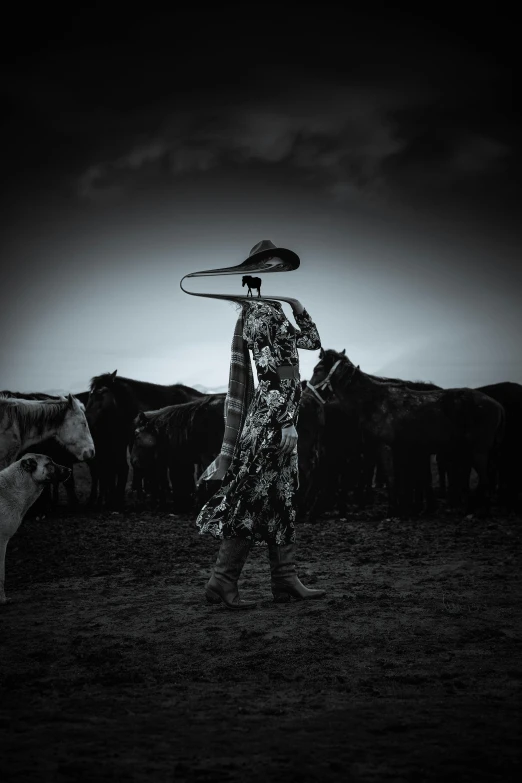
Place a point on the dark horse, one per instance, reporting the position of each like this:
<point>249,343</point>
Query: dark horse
<point>351,459</point>
<point>177,441</point>
<point>509,466</point>
<point>413,479</point>
<point>400,421</point>
<point>113,404</point>
<point>252,283</point>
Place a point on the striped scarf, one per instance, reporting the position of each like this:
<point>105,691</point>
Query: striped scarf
<point>237,402</point>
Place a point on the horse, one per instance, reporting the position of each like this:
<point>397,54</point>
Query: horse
<point>509,459</point>
<point>252,283</point>
<point>414,482</point>
<point>23,423</point>
<point>351,460</point>
<point>342,464</point>
<point>113,404</point>
<point>401,421</point>
<point>51,448</point>
<point>178,441</point>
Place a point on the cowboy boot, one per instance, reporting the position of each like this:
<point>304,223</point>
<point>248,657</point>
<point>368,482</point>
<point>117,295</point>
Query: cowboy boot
<point>285,582</point>
<point>222,585</point>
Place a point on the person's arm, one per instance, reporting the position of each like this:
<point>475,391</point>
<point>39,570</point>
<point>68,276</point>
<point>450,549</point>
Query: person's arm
<point>307,335</point>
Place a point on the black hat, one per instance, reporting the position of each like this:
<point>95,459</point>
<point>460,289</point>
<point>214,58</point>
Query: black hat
<point>264,257</point>
<point>258,261</point>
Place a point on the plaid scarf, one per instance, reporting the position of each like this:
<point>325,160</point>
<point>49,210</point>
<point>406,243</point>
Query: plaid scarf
<point>237,402</point>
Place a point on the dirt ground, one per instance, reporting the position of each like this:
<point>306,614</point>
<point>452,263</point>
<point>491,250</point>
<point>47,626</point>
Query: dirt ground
<point>113,667</point>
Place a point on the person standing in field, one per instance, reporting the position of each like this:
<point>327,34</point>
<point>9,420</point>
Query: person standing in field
<point>258,464</point>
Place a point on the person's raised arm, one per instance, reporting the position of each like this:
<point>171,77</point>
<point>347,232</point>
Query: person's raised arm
<point>307,335</point>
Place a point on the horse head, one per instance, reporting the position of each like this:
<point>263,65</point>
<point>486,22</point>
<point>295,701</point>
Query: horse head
<point>102,402</point>
<point>74,433</point>
<point>331,364</point>
<point>144,441</point>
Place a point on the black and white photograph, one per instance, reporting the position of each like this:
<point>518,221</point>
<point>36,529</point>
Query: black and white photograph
<point>261,394</point>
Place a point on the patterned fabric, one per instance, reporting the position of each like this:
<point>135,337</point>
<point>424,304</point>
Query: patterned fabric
<point>238,399</point>
<point>256,499</point>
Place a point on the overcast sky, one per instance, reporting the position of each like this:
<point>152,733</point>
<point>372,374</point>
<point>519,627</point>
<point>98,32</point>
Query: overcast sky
<point>385,152</point>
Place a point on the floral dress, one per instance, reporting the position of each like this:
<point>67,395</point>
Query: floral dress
<point>256,497</point>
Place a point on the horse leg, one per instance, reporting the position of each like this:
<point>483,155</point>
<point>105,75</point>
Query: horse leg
<point>55,493</point>
<point>479,461</point>
<point>342,492</point>
<point>365,490</point>
<point>458,480</point>
<point>136,482</point>
<point>107,486</point>
<point>94,471</point>
<point>385,455</point>
<point>379,477</point>
<point>429,493</point>
<point>442,469</point>
<point>405,474</point>
<point>122,474</point>
<point>162,487</point>
<point>70,489</point>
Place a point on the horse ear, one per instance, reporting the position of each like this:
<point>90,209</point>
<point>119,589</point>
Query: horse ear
<point>343,352</point>
<point>113,375</point>
<point>29,464</point>
<point>358,367</point>
<point>321,354</point>
<point>70,400</point>
<point>141,419</point>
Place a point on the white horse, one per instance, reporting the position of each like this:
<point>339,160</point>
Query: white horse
<point>24,423</point>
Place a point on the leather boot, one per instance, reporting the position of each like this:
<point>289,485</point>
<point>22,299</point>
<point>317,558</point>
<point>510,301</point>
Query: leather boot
<point>222,585</point>
<point>285,582</point>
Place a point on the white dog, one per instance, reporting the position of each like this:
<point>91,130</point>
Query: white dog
<point>21,483</point>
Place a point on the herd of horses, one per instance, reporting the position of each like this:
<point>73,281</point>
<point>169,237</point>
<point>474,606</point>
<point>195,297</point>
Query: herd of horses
<point>354,429</point>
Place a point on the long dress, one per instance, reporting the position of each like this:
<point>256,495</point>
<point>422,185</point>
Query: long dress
<point>256,499</point>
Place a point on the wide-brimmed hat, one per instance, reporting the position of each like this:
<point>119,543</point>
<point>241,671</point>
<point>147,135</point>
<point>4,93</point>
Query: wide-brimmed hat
<point>284,261</point>
<point>264,257</point>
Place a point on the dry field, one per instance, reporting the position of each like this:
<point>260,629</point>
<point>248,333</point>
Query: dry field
<point>115,669</point>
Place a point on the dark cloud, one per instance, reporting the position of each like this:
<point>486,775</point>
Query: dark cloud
<point>384,141</point>
<point>396,108</point>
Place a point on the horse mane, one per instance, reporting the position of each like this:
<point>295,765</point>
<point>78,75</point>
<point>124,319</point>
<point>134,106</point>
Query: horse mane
<point>415,385</point>
<point>107,379</point>
<point>176,421</point>
<point>30,413</point>
<point>132,395</point>
<point>28,395</point>
<point>181,415</point>
<point>398,382</point>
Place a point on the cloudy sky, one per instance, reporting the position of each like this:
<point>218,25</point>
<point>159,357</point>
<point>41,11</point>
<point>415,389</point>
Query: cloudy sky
<point>385,152</point>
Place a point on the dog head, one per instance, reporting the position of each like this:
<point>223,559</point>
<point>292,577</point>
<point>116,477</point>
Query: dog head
<point>43,470</point>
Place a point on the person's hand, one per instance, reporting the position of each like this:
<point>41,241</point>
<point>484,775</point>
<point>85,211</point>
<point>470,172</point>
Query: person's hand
<point>288,439</point>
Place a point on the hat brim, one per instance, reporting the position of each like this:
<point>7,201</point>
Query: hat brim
<point>259,262</point>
